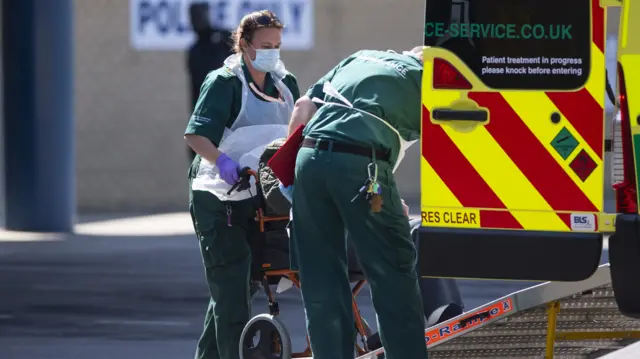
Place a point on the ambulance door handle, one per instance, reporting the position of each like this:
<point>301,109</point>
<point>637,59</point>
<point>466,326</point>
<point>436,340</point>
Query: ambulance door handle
<point>447,114</point>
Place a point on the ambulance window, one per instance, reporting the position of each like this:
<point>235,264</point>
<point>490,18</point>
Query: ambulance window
<point>516,44</point>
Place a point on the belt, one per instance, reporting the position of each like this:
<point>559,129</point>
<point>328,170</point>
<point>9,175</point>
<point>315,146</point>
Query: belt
<point>324,145</point>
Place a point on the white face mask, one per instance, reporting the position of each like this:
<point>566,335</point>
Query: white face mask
<point>266,59</point>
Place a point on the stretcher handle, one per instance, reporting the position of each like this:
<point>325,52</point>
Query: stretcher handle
<point>243,183</point>
<point>247,173</point>
<point>447,114</point>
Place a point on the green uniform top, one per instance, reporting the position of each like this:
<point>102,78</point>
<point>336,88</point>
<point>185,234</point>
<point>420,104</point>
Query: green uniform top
<point>221,99</point>
<point>385,84</point>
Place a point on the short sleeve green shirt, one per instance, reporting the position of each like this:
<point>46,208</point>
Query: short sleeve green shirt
<point>221,98</point>
<point>386,84</point>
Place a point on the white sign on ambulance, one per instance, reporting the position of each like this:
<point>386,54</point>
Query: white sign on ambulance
<point>583,222</point>
<point>164,24</point>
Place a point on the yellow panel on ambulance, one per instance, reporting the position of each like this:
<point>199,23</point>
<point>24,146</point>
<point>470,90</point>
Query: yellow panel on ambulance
<point>512,140</point>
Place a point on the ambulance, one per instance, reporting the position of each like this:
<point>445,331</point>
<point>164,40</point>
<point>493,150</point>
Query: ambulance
<point>514,156</point>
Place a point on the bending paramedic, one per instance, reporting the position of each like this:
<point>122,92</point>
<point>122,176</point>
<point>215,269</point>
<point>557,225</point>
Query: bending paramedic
<point>366,113</point>
<point>242,107</point>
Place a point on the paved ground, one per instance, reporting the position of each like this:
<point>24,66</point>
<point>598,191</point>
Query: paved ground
<point>126,288</point>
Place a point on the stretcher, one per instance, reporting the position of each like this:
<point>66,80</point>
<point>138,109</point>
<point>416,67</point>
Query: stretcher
<point>265,336</point>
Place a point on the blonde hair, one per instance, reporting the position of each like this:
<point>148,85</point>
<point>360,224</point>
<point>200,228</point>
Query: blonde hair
<point>252,22</point>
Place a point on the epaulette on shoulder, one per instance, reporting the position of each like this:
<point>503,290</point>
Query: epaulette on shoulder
<point>224,73</point>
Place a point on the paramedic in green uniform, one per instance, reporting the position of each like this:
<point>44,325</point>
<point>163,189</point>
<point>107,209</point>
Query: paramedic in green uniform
<point>243,105</point>
<point>336,157</point>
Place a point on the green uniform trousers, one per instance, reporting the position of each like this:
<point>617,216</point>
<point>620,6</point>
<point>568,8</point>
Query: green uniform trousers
<point>325,184</point>
<point>226,255</point>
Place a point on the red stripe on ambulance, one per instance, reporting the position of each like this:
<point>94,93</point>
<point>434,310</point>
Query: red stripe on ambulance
<point>454,168</point>
<point>585,115</point>
<point>531,157</point>
<point>597,24</point>
<point>461,178</point>
<point>498,219</point>
<point>566,218</point>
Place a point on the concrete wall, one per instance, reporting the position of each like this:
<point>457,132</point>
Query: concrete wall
<point>131,107</point>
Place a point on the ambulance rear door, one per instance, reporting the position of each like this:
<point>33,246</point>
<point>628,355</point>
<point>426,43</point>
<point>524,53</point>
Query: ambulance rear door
<point>512,139</point>
<point>624,244</point>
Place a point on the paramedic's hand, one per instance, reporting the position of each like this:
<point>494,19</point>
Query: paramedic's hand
<point>228,169</point>
<point>287,192</point>
<point>405,207</point>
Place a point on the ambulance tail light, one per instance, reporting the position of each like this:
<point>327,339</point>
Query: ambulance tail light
<point>447,77</point>
<point>626,196</point>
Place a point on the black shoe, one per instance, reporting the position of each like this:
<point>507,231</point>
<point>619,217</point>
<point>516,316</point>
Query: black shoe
<point>452,311</point>
<point>443,314</point>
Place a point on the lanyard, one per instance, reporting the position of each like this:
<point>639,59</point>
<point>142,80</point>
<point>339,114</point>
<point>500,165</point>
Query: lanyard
<point>265,96</point>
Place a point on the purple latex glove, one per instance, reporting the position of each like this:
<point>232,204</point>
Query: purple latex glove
<point>228,169</point>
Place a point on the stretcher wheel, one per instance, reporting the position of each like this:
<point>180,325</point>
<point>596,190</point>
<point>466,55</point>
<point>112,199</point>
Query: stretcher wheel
<point>265,337</point>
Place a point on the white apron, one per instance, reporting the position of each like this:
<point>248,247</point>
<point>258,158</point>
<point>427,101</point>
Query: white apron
<point>331,91</point>
<point>258,124</point>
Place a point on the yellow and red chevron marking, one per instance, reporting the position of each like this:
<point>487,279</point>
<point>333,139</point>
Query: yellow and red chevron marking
<point>508,169</point>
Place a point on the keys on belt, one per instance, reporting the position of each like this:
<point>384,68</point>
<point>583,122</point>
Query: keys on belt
<point>371,189</point>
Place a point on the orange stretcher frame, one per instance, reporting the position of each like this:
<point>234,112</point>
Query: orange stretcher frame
<point>292,275</point>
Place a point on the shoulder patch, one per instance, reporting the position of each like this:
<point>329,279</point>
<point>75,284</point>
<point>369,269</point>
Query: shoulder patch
<point>225,73</point>
<point>221,74</point>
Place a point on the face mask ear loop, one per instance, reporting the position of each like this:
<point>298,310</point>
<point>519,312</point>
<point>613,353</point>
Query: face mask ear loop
<point>254,50</point>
